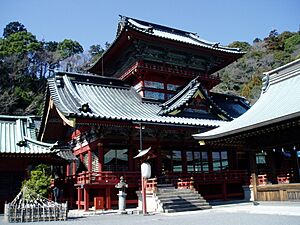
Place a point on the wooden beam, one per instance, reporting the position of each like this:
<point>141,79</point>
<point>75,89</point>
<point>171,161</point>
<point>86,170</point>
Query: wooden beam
<point>70,122</point>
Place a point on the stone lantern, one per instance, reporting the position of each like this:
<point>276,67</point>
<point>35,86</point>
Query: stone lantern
<point>122,194</point>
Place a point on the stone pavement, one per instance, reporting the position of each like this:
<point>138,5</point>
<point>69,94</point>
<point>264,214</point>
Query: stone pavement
<point>274,208</point>
<point>265,213</point>
<point>267,208</point>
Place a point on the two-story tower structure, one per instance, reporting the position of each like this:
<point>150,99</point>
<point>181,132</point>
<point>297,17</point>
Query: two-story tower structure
<point>150,88</point>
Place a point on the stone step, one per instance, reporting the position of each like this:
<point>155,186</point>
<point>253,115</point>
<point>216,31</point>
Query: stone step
<point>163,190</point>
<point>184,205</point>
<point>181,209</point>
<point>170,198</point>
<point>178,201</point>
<point>165,186</point>
<point>180,195</point>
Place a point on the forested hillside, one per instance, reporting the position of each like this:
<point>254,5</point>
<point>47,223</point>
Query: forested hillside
<point>244,76</point>
<point>25,64</point>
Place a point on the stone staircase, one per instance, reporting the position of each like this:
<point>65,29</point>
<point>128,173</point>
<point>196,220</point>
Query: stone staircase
<point>171,200</point>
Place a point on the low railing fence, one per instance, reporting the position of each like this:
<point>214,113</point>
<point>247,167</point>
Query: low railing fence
<point>228,176</point>
<point>30,207</point>
<point>108,177</point>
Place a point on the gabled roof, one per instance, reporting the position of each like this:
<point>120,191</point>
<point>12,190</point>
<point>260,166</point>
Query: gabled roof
<point>279,102</point>
<point>185,38</point>
<point>96,97</point>
<point>185,95</point>
<point>172,34</point>
<point>18,136</point>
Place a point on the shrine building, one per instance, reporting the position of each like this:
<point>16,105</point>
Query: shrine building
<point>266,137</point>
<point>20,152</point>
<point>150,88</point>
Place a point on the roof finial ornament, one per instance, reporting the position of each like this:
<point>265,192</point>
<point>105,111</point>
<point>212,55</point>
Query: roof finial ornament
<point>265,82</point>
<point>85,108</point>
<point>216,45</point>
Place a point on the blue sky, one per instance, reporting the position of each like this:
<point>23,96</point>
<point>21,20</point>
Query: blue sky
<point>95,22</point>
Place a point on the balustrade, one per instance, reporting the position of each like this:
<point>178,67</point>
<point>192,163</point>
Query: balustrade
<point>107,177</point>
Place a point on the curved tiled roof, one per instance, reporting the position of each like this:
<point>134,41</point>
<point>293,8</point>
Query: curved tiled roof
<point>279,101</point>
<point>18,136</point>
<point>173,34</point>
<point>167,33</point>
<point>182,97</point>
<point>111,99</point>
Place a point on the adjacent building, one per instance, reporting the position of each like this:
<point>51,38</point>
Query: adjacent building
<point>20,152</point>
<point>266,137</point>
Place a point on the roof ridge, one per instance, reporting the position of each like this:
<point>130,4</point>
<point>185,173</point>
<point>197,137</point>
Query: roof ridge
<point>159,26</point>
<point>174,98</point>
<point>44,144</point>
<point>18,117</point>
<point>280,74</point>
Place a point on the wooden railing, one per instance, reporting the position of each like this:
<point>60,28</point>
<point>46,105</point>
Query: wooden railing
<point>108,177</point>
<point>186,183</point>
<point>228,176</point>
<point>289,174</point>
<point>151,185</point>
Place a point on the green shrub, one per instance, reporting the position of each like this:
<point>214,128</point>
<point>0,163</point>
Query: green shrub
<point>39,181</point>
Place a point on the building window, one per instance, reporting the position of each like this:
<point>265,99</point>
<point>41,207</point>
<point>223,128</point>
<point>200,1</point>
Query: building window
<point>177,161</point>
<point>261,158</point>
<point>116,160</point>
<point>169,96</point>
<point>219,160</point>
<point>190,161</point>
<point>197,161</point>
<point>172,87</point>
<point>204,162</point>
<point>153,84</point>
<point>154,95</point>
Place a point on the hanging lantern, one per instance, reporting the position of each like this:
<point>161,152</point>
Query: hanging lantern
<point>146,170</point>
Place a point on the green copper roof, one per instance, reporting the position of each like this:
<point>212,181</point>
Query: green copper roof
<point>279,102</point>
<point>18,136</point>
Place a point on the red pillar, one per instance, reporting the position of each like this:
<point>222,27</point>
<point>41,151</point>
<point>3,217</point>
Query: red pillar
<point>100,157</point>
<point>89,160</point>
<point>130,158</point>
<point>79,198</point>
<point>68,170</point>
<point>86,199</point>
<point>184,162</point>
<point>73,168</point>
<point>224,190</point>
<point>108,199</point>
<point>158,152</point>
<point>131,148</point>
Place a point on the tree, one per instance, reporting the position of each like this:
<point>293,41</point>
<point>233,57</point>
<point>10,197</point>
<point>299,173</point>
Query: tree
<point>13,27</point>
<point>96,50</point>
<point>245,46</point>
<point>19,43</point>
<point>68,48</point>
<point>107,45</point>
<point>39,181</point>
<point>51,46</point>
<point>273,41</point>
<point>256,40</point>
<point>292,43</point>
<point>24,67</point>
